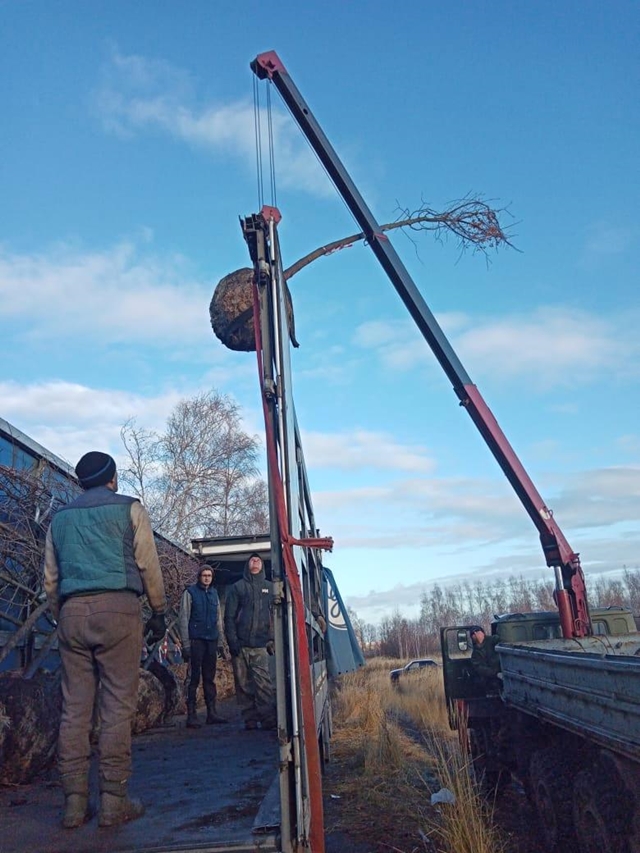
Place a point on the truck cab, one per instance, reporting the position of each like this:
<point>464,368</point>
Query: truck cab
<point>460,682</point>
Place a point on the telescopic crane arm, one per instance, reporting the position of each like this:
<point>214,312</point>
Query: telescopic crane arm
<point>570,592</point>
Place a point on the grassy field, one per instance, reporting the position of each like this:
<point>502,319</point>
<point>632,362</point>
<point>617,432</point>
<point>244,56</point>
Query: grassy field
<point>392,749</point>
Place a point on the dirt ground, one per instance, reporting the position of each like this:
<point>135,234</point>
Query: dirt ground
<point>371,827</point>
<point>174,766</point>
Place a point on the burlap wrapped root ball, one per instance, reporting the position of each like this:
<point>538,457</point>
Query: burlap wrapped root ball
<point>231,311</point>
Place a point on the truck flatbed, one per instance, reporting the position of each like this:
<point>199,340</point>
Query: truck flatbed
<point>207,789</point>
<point>583,685</point>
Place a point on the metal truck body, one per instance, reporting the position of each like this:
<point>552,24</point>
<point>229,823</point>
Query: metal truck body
<point>591,688</point>
<point>565,723</point>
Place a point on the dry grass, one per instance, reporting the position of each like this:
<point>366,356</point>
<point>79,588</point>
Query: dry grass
<point>393,748</point>
<point>421,698</point>
<point>374,739</point>
<point>465,826</point>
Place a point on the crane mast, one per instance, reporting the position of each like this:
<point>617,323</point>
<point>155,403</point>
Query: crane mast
<point>570,589</point>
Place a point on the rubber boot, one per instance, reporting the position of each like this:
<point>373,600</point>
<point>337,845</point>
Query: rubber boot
<point>192,717</point>
<point>115,805</point>
<point>76,801</point>
<point>212,717</point>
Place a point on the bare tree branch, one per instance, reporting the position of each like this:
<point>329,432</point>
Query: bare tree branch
<point>474,223</point>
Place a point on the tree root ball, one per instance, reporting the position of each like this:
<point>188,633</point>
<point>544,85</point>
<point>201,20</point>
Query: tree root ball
<point>231,311</point>
<point>29,720</point>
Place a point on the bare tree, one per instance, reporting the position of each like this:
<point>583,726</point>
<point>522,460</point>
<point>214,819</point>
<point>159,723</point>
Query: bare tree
<point>28,499</point>
<point>200,477</point>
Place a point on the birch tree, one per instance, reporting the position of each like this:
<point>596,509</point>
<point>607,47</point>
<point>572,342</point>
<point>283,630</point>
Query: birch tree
<point>201,476</point>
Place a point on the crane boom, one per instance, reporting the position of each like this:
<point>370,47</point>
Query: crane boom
<point>570,592</point>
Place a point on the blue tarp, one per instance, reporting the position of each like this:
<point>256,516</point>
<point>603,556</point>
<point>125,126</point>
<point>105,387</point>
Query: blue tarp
<point>345,654</point>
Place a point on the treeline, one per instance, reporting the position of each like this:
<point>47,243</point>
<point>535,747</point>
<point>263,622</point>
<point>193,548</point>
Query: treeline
<point>468,603</point>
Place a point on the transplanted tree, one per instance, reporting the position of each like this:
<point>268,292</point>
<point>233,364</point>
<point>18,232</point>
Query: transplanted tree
<point>474,224</point>
<point>201,476</point>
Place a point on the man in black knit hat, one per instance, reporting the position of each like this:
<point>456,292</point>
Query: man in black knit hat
<point>248,624</point>
<point>100,556</point>
<point>485,661</point>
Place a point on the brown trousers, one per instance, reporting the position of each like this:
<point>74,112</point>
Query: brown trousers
<point>254,690</point>
<point>100,641</point>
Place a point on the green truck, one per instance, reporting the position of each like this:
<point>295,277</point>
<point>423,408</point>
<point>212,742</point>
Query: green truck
<point>565,722</point>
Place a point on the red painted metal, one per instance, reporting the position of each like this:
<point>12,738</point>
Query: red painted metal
<point>310,740</point>
<point>563,603</point>
<point>266,64</point>
<point>269,213</point>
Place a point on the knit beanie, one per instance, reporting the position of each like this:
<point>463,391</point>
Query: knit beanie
<point>95,469</point>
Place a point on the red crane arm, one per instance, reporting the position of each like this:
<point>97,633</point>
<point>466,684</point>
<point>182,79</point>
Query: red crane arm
<point>570,593</point>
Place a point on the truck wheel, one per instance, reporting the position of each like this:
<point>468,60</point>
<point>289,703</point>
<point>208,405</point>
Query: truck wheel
<point>598,831</point>
<point>548,783</point>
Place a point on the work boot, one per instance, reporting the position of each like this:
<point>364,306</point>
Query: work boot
<point>115,805</point>
<point>192,717</point>
<point>76,801</point>
<point>212,717</point>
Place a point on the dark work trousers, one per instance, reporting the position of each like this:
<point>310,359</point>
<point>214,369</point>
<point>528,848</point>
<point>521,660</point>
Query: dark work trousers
<point>204,659</point>
<point>254,690</point>
<point>100,640</point>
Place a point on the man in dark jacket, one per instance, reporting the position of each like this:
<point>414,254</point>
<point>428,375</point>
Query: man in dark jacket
<point>100,556</point>
<point>249,629</point>
<point>485,661</point>
<point>198,626</point>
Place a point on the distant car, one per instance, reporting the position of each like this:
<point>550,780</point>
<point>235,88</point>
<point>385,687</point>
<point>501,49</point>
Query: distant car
<point>411,667</point>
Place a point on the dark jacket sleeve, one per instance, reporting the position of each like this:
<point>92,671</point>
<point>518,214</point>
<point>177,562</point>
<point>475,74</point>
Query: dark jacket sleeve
<point>230,614</point>
<point>271,634</point>
<point>485,660</point>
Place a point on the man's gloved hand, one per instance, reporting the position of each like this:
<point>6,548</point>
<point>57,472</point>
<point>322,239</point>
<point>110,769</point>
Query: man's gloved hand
<point>186,655</point>
<point>270,647</point>
<point>156,628</point>
<point>322,623</point>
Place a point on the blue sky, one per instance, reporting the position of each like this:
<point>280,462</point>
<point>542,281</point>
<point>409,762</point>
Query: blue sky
<point>128,155</point>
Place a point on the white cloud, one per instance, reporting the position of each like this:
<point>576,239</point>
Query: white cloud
<point>397,343</point>
<point>68,419</point>
<point>363,449</point>
<point>475,517</point>
<point>605,239</point>
<point>556,345</point>
<point>600,497</point>
<point>629,444</point>
<point>140,94</point>
<point>551,346</point>
<point>606,558</point>
<point>111,296</point>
